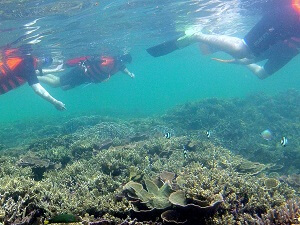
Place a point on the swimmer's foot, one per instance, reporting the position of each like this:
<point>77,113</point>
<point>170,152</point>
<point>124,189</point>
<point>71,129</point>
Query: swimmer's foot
<point>170,46</point>
<point>189,37</point>
<point>193,35</point>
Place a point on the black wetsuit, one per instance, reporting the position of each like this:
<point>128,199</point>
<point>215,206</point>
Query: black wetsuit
<point>79,75</point>
<point>74,78</point>
<point>269,38</point>
<point>278,56</point>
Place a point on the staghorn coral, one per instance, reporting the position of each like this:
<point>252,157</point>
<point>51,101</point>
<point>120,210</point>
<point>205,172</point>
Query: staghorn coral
<point>286,214</point>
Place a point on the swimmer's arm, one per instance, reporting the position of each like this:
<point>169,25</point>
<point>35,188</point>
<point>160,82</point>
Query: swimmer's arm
<point>126,71</point>
<point>38,89</point>
<point>59,68</point>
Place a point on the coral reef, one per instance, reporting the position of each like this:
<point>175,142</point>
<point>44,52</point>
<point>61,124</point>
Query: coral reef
<point>91,185</point>
<point>293,180</point>
<point>240,131</point>
<point>126,172</point>
<point>288,213</point>
<point>271,183</point>
<point>153,197</point>
<point>189,211</point>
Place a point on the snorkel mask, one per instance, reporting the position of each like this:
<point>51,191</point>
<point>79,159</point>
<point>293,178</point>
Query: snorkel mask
<point>46,61</point>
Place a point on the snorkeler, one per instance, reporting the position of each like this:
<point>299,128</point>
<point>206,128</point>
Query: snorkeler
<point>275,37</point>
<point>18,66</point>
<point>89,69</point>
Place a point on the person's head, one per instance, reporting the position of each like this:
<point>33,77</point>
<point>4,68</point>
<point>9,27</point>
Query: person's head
<point>126,58</point>
<point>44,61</point>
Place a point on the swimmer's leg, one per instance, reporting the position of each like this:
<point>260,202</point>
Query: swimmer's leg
<point>233,46</point>
<point>51,80</point>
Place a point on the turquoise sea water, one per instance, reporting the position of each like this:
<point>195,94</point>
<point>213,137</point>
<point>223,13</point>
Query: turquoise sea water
<point>186,130</point>
<point>92,27</point>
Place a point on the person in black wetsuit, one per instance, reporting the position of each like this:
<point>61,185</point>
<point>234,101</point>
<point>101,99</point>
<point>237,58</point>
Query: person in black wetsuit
<point>275,37</point>
<point>89,69</point>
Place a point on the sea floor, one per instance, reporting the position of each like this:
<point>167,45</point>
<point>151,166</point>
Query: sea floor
<point>203,162</point>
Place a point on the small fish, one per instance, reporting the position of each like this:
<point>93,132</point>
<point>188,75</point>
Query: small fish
<point>208,134</point>
<point>168,135</point>
<point>267,135</point>
<point>185,151</point>
<point>283,141</point>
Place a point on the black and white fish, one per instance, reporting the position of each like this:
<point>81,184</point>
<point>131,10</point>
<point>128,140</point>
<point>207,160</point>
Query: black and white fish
<point>168,135</point>
<point>283,141</point>
<point>185,151</point>
<point>208,134</point>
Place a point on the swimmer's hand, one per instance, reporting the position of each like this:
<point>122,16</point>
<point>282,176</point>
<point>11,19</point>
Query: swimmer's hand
<point>131,75</point>
<point>126,71</point>
<point>59,105</point>
<point>59,68</point>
